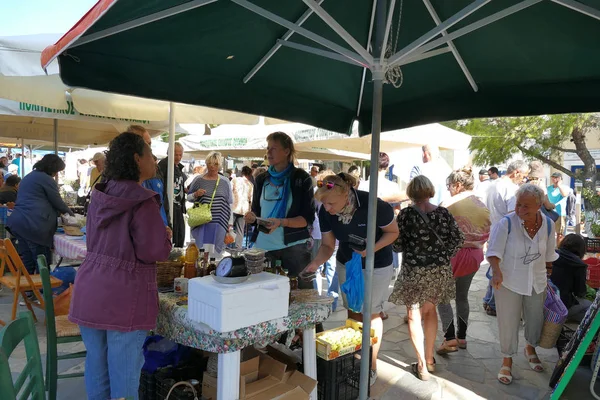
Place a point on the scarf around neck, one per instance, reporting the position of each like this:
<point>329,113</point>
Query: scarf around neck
<point>280,179</point>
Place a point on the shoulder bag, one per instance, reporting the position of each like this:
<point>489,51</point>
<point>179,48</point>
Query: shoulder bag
<point>425,218</point>
<point>200,214</point>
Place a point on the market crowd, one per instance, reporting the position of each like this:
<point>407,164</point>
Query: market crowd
<point>430,241</point>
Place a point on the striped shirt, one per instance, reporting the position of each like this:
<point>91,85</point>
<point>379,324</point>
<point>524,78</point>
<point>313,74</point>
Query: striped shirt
<point>221,206</point>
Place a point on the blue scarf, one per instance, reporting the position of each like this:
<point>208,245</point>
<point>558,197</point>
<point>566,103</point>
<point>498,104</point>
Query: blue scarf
<point>280,179</point>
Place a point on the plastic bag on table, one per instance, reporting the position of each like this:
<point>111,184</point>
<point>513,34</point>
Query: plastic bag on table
<point>354,287</point>
<point>160,352</point>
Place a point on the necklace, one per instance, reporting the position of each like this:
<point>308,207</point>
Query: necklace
<point>277,187</point>
<point>533,230</point>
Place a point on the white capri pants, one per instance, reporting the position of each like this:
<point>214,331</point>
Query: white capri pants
<point>509,308</point>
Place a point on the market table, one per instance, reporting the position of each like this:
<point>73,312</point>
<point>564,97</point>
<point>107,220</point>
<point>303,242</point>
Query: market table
<point>173,323</point>
<point>70,247</point>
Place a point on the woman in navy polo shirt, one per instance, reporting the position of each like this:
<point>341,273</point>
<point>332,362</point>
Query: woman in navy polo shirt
<point>344,213</point>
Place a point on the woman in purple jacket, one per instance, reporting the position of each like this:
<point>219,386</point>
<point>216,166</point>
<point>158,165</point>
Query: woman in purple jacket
<point>115,301</point>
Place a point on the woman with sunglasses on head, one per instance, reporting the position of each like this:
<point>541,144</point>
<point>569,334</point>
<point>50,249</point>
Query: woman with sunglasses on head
<point>344,213</point>
<point>521,246</point>
<point>473,219</point>
<point>283,200</point>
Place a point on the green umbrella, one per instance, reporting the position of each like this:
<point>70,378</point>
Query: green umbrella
<point>324,62</point>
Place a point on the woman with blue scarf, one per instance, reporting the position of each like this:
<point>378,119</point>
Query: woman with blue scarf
<point>284,197</point>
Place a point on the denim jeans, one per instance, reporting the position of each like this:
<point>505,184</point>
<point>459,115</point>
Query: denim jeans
<point>29,251</point>
<point>489,296</point>
<point>113,363</point>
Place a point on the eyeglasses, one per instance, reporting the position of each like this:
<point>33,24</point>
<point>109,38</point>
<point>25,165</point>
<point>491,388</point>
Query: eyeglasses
<point>328,184</point>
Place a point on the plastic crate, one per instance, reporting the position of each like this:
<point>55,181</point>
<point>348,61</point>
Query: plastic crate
<point>339,378</point>
<point>593,272</point>
<point>147,386</point>
<point>565,337</point>
<point>592,245</point>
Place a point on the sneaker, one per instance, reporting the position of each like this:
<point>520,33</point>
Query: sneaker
<point>31,298</point>
<point>373,377</point>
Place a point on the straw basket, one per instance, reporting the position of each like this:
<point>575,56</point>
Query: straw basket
<point>166,272</point>
<point>550,333</point>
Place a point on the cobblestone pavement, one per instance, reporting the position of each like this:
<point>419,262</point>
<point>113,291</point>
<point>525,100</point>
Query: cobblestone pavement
<point>467,374</point>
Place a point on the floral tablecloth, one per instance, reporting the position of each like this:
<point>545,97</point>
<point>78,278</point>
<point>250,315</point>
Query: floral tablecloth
<point>70,247</point>
<point>173,323</point>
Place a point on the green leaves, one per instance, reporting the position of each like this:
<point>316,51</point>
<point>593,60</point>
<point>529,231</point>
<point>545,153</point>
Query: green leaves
<point>496,140</point>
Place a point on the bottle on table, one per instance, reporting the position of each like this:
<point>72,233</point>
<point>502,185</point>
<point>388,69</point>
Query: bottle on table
<point>212,266</point>
<point>269,267</point>
<point>278,268</point>
<point>200,263</point>
<point>191,255</point>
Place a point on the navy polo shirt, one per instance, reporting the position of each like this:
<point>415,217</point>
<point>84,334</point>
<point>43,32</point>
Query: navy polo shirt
<point>358,227</point>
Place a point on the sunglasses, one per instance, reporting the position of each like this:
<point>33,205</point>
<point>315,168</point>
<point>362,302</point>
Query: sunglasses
<point>328,184</point>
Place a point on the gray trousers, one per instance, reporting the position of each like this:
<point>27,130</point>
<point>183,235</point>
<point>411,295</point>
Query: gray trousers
<point>451,332</point>
<point>239,227</point>
<point>510,306</point>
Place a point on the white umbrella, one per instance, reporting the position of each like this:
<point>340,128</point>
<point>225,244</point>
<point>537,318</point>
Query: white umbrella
<point>243,141</point>
<point>391,141</point>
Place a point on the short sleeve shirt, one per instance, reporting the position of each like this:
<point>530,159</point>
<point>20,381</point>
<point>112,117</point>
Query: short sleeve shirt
<point>358,227</point>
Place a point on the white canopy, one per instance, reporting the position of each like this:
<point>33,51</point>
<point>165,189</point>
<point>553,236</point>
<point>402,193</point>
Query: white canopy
<point>243,141</point>
<point>23,80</point>
<point>432,134</point>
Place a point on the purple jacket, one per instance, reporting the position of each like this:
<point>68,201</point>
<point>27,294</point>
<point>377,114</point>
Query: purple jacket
<point>115,288</point>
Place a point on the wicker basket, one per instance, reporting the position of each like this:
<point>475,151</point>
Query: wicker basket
<point>550,333</point>
<point>166,272</point>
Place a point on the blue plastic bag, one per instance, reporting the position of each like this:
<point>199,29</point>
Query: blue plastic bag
<point>160,352</point>
<point>354,287</point>
<point>66,275</point>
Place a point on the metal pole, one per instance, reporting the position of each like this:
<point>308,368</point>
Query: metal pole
<point>55,136</point>
<point>378,75</point>
<point>22,160</point>
<point>171,157</point>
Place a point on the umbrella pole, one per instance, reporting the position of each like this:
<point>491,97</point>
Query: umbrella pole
<point>378,75</point>
<point>22,161</point>
<point>55,136</point>
<point>171,157</point>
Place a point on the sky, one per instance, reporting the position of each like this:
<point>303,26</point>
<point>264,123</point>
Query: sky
<point>29,17</point>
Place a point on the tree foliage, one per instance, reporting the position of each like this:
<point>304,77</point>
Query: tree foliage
<point>496,140</point>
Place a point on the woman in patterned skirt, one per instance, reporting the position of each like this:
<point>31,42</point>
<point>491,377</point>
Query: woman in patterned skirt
<point>429,238</point>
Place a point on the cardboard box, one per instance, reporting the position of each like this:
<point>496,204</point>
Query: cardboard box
<point>264,378</point>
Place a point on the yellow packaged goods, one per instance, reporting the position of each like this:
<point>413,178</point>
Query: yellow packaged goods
<point>343,340</point>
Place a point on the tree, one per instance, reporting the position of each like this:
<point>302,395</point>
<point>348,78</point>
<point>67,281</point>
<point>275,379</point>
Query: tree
<point>496,140</point>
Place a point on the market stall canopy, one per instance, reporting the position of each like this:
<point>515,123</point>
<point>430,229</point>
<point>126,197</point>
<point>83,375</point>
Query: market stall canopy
<point>456,59</point>
<point>430,134</point>
<point>23,80</point>
<point>250,141</point>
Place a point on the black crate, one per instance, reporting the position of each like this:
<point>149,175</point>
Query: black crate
<point>156,386</point>
<point>592,245</point>
<point>339,378</point>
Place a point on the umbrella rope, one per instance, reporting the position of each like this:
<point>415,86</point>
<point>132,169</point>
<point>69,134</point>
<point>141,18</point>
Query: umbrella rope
<point>394,75</point>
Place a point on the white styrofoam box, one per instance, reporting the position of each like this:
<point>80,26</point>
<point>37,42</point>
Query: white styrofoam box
<point>225,308</point>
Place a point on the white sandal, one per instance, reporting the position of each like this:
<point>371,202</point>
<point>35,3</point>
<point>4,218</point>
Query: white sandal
<point>537,367</point>
<point>509,378</point>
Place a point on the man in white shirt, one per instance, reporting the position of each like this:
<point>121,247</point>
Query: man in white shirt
<point>501,196</point>
<point>484,184</point>
<point>436,169</point>
<point>501,201</point>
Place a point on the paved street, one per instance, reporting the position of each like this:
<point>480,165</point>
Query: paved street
<point>467,374</point>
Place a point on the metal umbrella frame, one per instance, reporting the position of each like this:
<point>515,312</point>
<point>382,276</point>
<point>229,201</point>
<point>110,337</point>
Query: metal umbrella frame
<point>371,57</point>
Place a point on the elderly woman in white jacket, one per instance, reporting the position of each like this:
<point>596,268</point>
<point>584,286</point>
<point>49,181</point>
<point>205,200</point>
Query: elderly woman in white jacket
<point>521,246</point>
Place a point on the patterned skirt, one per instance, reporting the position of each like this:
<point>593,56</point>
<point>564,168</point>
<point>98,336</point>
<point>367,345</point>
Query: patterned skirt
<point>417,285</point>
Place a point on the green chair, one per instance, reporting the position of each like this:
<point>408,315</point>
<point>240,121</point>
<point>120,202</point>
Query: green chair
<point>15,332</point>
<point>59,330</point>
